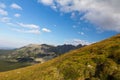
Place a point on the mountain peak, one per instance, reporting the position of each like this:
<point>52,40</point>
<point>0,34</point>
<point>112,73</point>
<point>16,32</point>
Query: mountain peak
<point>33,45</point>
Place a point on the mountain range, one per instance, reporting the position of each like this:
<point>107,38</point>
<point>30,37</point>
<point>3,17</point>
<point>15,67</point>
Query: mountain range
<point>31,54</point>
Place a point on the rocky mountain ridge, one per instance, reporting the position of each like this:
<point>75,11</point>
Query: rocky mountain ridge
<point>38,53</point>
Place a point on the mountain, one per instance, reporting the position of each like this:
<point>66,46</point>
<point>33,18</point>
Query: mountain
<point>60,49</point>
<point>38,53</point>
<point>31,54</point>
<point>99,61</point>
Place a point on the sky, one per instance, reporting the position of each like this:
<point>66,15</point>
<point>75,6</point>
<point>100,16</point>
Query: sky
<point>57,22</point>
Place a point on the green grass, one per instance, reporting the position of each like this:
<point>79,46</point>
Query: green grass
<point>6,66</point>
<point>3,52</point>
<point>99,61</point>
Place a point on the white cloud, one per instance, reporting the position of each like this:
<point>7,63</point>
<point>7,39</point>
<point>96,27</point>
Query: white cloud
<point>33,31</point>
<point>46,2</point>
<point>31,26</point>
<point>77,42</point>
<point>16,6</point>
<point>2,5</point>
<point>5,19</point>
<point>17,15</point>
<point>26,28</point>
<point>3,12</point>
<point>11,24</point>
<point>54,7</point>
<point>46,30</point>
<point>105,14</point>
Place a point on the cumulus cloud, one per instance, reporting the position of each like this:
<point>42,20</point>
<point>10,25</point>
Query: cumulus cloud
<point>105,14</point>
<point>77,42</point>
<point>46,30</point>
<point>17,15</point>
<point>31,26</point>
<point>16,6</point>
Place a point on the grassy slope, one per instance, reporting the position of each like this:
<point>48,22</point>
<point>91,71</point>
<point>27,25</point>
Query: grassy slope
<point>6,66</point>
<point>5,51</point>
<point>99,61</point>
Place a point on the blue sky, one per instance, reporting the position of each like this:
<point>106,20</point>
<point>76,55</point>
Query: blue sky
<point>56,22</point>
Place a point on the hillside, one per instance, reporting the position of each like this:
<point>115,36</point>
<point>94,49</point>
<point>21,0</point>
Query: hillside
<point>99,61</point>
<point>6,65</point>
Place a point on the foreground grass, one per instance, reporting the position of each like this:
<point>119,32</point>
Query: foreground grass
<point>99,61</point>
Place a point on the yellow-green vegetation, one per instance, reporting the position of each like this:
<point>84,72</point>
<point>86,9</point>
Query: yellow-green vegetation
<point>99,61</point>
